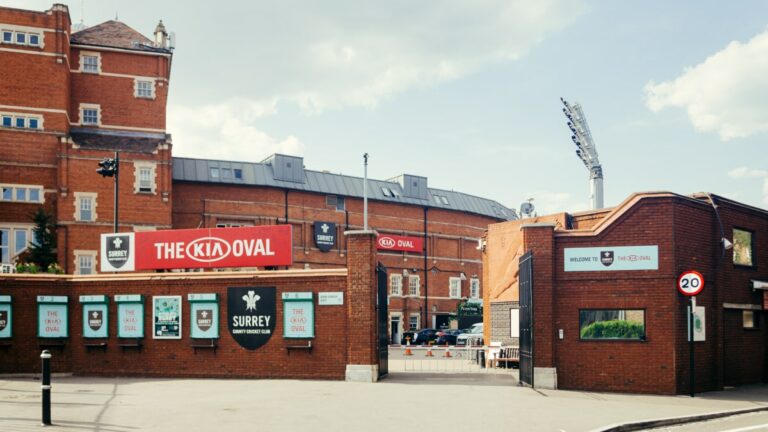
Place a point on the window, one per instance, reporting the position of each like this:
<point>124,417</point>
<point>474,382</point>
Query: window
<point>474,287</point>
<point>7,36</point>
<point>34,39</point>
<point>340,203</point>
<point>335,201</point>
<point>21,38</point>
<point>7,121</point>
<point>5,245</point>
<point>413,322</point>
<point>14,240</point>
<point>20,122</point>
<point>85,207</point>
<point>454,287</point>
<point>144,89</point>
<point>84,262</point>
<point>238,173</point>
<point>144,172</point>
<point>612,324</point>
<point>742,248</point>
<point>396,284</point>
<point>386,192</point>
<point>33,123</point>
<point>226,173</point>
<point>90,116</point>
<point>90,63</point>
<point>413,285</point>
<point>20,240</point>
<point>21,193</point>
<point>441,199</point>
<point>214,173</point>
<point>750,319</point>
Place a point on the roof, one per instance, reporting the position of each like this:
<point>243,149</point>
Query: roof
<point>262,174</point>
<point>117,141</point>
<point>114,34</point>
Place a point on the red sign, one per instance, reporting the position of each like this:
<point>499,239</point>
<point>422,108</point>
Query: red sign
<point>400,243</point>
<point>215,247</point>
<point>690,283</point>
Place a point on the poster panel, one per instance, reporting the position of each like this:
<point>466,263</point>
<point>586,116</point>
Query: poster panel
<point>95,319</point>
<point>52,316</point>
<point>166,317</point>
<point>204,316</point>
<point>298,316</point>
<point>130,316</point>
<point>6,317</point>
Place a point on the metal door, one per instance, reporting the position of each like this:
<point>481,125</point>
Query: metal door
<point>526,319</point>
<point>381,306</point>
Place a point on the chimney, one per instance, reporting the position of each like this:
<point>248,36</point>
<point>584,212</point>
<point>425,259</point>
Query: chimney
<point>161,36</point>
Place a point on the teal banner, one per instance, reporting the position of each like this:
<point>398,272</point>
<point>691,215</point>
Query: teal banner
<point>130,320</point>
<point>298,316</point>
<point>6,319</point>
<point>52,320</point>
<point>204,317</point>
<point>95,319</point>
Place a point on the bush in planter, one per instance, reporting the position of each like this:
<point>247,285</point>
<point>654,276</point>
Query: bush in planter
<point>614,329</point>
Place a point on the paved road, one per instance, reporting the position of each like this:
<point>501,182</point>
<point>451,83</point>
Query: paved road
<point>447,402</point>
<point>755,422</point>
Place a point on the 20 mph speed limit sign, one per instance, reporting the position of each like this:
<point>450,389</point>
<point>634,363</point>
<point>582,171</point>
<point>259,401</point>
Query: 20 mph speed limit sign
<point>690,283</point>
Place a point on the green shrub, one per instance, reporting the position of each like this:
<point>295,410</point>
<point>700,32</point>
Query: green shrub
<point>614,329</point>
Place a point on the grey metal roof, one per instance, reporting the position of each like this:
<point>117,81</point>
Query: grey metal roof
<point>262,174</point>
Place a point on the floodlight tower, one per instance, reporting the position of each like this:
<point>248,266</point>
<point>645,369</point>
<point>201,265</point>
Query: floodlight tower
<point>586,151</point>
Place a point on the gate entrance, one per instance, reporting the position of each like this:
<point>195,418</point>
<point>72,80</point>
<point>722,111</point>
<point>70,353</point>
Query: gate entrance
<point>526,319</point>
<point>381,310</point>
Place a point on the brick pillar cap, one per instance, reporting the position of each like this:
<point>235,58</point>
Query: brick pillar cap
<point>361,232</point>
<point>539,225</point>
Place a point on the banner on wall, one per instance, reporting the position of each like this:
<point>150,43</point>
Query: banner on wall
<point>298,315</point>
<point>95,315</point>
<point>6,317</point>
<point>204,315</point>
<point>52,317</point>
<point>258,246</point>
<point>130,316</point>
<point>251,315</point>
<point>166,317</point>
<point>611,258</point>
<point>325,235</point>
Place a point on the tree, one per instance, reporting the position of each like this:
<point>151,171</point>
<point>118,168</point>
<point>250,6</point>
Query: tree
<point>42,249</point>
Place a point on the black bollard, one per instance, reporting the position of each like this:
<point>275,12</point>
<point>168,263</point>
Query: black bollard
<point>46,356</point>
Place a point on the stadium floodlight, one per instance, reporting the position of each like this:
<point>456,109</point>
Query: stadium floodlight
<point>587,151</point>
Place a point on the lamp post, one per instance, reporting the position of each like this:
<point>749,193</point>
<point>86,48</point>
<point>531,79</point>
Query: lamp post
<point>109,167</point>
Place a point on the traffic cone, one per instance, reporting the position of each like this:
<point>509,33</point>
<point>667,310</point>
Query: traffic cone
<point>447,351</point>
<point>408,347</point>
<point>429,351</point>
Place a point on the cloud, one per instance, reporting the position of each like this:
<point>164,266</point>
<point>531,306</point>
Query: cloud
<point>548,202</point>
<point>227,131</point>
<point>727,93</point>
<point>743,172</point>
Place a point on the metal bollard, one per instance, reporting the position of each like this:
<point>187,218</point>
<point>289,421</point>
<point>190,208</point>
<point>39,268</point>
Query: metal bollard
<point>46,386</point>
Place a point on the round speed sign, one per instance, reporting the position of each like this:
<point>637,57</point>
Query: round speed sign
<point>690,283</point>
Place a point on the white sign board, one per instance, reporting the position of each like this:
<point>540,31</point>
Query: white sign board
<point>611,258</point>
<point>699,324</point>
<point>118,251</point>
<point>514,323</point>
<point>331,298</point>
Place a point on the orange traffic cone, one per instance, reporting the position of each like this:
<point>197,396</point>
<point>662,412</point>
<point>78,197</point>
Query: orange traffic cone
<point>408,346</point>
<point>447,351</point>
<point>429,351</point>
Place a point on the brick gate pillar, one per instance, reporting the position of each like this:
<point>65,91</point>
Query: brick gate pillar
<point>540,238</point>
<point>362,349</point>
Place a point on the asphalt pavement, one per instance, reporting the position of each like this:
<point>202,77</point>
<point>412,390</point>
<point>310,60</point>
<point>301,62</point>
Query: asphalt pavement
<point>401,402</point>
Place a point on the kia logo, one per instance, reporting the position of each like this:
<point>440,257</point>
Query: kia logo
<point>208,249</point>
<point>386,242</point>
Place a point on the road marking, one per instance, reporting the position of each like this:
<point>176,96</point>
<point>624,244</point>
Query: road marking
<point>748,428</point>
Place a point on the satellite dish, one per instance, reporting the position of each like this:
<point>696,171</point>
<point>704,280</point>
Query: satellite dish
<point>527,208</point>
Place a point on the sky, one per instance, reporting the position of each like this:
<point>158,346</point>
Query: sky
<point>466,93</point>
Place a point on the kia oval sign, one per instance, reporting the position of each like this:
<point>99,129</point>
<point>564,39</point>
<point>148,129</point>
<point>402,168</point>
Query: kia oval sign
<point>399,243</point>
<point>258,246</point>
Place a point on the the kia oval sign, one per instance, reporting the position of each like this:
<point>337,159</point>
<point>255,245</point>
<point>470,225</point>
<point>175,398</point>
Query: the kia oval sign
<point>259,246</point>
<point>399,243</point>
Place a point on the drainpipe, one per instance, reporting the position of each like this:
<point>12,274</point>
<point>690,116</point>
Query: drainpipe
<point>286,206</point>
<point>426,274</point>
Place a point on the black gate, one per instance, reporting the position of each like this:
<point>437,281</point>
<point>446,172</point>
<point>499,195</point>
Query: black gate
<point>526,319</point>
<point>381,306</point>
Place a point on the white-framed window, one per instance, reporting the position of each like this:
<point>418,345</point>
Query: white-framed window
<point>454,287</point>
<point>14,239</point>
<point>19,35</point>
<point>7,120</point>
<point>413,285</point>
<point>90,62</point>
<point>7,36</point>
<point>474,287</point>
<point>34,39</point>
<point>335,201</point>
<point>214,172</point>
<point>145,175</point>
<point>238,173</point>
<point>413,321</point>
<point>21,193</point>
<point>21,121</point>
<point>21,38</point>
<point>85,262</point>
<point>90,114</point>
<point>143,88</point>
<point>229,224</point>
<point>85,206</point>
<point>396,284</point>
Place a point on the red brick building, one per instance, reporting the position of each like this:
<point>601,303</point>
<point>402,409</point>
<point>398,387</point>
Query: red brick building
<point>70,99</point>
<point>606,311</point>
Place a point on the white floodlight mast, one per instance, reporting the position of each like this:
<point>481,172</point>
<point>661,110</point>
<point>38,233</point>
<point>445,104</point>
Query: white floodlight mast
<point>586,151</point>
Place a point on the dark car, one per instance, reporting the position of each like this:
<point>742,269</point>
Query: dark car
<point>424,337</point>
<point>447,337</point>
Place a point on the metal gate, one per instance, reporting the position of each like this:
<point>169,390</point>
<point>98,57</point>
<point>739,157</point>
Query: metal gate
<point>526,319</point>
<point>381,306</point>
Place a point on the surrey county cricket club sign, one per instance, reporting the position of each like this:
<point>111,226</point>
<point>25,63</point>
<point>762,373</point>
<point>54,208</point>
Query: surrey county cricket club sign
<point>258,246</point>
<point>251,314</point>
<point>399,243</point>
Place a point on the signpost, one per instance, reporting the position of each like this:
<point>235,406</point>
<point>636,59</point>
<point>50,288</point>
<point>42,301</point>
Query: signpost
<point>691,283</point>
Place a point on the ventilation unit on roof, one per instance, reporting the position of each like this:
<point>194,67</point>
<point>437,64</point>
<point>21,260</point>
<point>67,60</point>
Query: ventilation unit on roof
<point>286,168</point>
<point>413,186</point>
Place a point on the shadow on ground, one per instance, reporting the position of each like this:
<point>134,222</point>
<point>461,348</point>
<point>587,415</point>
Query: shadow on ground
<point>469,379</point>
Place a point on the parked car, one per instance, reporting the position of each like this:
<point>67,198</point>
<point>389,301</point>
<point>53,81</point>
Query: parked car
<point>474,336</point>
<point>424,336</point>
<point>406,335</point>
<point>448,336</point>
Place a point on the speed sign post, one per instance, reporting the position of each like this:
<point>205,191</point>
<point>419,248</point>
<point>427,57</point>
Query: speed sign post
<point>690,284</point>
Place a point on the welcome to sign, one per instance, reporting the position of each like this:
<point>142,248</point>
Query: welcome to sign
<point>259,246</point>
